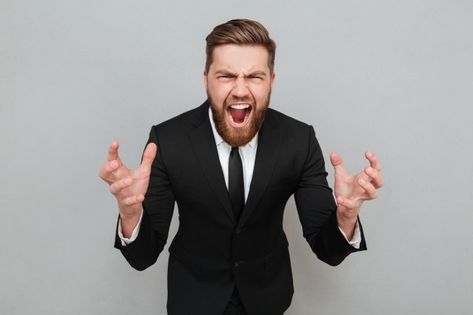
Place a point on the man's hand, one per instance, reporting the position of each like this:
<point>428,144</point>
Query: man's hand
<point>128,186</point>
<point>351,191</point>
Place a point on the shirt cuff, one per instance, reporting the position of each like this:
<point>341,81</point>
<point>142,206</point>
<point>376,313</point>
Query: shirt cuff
<point>356,239</point>
<point>125,241</point>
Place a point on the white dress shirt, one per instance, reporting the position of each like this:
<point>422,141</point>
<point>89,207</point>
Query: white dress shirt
<point>248,157</point>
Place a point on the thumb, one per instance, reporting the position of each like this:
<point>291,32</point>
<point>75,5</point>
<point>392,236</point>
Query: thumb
<point>148,156</point>
<point>336,161</point>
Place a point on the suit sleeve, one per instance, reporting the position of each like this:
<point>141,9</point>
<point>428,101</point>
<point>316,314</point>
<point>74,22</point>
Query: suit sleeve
<point>158,209</point>
<point>317,209</point>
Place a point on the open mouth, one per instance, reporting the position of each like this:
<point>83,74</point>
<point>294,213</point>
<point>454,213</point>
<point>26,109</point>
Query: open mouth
<point>238,115</point>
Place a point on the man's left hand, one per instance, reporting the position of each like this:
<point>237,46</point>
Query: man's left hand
<point>352,190</point>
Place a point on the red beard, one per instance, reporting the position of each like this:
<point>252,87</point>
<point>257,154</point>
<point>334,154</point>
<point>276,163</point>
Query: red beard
<point>237,137</point>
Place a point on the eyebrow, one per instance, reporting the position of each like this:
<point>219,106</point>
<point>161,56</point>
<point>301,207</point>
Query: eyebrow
<point>254,73</point>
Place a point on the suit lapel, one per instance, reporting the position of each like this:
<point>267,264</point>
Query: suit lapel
<point>203,144</point>
<point>267,156</point>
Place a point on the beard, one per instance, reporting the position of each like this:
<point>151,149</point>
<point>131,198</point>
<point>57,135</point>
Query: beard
<point>237,137</point>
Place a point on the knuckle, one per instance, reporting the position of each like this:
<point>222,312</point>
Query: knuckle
<point>373,190</point>
<point>121,201</point>
<point>133,200</point>
<point>380,182</point>
<point>103,172</point>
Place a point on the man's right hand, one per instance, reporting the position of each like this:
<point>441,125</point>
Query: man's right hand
<point>128,186</point>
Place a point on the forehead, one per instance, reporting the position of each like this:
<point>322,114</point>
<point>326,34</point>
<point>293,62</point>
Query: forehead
<point>240,58</point>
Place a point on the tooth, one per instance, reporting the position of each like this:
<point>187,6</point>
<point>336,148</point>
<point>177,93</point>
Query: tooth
<point>240,106</point>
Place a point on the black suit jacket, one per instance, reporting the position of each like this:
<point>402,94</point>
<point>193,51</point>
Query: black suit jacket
<point>212,252</point>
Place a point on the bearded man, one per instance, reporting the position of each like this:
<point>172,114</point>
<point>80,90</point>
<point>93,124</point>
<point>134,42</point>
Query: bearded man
<point>231,164</point>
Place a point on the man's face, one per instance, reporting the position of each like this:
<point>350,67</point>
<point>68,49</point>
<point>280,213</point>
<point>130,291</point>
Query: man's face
<point>238,84</point>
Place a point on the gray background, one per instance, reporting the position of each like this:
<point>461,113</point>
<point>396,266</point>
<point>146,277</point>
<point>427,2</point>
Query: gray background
<point>395,77</point>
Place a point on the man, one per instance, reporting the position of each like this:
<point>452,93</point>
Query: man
<point>231,165</point>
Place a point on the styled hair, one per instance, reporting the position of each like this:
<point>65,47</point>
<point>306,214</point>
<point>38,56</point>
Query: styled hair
<point>240,32</point>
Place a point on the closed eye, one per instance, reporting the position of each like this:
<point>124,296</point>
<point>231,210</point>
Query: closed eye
<point>226,76</point>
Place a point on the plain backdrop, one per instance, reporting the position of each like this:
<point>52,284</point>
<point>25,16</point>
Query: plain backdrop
<point>394,77</point>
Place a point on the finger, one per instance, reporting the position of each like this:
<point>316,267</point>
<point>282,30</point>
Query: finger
<point>336,161</point>
<point>374,162</point>
<point>369,189</point>
<point>133,200</point>
<point>347,203</point>
<point>113,151</point>
<point>120,173</point>
<point>148,156</point>
<point>118,186</point>
<point>106,172</point>
<point>374,177</point>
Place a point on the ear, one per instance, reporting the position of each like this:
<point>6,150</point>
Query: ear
<point>206,79</point>
<point>273,77</point>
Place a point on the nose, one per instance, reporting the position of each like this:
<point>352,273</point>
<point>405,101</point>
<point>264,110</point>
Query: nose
<point>240,89</point>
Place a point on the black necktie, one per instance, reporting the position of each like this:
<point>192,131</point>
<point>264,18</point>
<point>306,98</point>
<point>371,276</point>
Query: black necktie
<point>235,182</point>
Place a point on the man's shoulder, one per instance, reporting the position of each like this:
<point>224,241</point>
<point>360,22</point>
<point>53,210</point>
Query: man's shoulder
<point>184,121</point>
<point>288,123</point>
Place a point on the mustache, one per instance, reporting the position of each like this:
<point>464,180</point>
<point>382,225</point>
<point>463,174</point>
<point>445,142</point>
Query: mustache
<point>246,100</point>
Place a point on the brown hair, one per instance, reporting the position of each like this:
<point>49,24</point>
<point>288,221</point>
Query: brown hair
<point>240,32</point>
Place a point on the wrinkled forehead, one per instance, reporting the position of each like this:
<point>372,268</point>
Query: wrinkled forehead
<point>242,59</point>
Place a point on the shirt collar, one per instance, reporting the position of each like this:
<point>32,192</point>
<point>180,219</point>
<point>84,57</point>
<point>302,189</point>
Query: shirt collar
<point>218,138</point>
